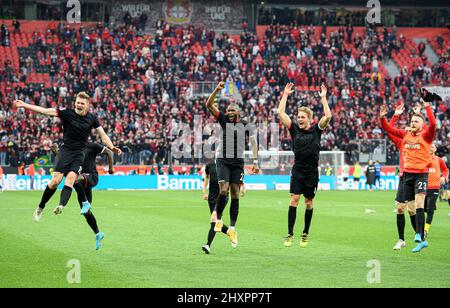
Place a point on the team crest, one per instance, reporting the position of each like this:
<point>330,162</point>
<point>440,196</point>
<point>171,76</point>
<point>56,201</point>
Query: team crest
<point>178,11</point>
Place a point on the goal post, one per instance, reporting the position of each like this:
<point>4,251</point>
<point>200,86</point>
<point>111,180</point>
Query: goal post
<point>275,162</point>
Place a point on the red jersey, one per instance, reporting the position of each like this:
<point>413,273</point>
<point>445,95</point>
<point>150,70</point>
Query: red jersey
<point>416,146</point>
<point>437,170</point>
<point>397,140</point>
<point>417,156</point>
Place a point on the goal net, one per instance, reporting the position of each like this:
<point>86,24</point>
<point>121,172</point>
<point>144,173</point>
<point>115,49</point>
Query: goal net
<point>281,162</point>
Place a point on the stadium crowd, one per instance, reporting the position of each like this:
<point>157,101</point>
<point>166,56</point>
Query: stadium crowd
<point>139,83</point>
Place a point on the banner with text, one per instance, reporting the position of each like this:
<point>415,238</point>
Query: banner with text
<point>213,14</point>
<point>194,182</point>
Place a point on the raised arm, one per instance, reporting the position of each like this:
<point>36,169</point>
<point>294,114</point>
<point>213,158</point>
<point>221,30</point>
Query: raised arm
<point>51,112</point>
<point>281,112</point>
<point>417,109</point>
<point>431,131</point>
<point>105,139</point>
<point>210,102</point>
<point>398,111</point>
<point>390,130</point>
<point>394,120</point>
<point>326,109</point>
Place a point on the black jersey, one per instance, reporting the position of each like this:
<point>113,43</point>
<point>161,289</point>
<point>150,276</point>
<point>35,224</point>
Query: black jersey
<point>91,151</point>
<point>306,145</point>
<point>371,174</point>
<point>371,170</point>
<point>211,171</point>
<point>232,140</point>
<point>76,128</point>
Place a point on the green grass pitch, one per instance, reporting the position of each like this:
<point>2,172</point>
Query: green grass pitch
<point>154,239</point>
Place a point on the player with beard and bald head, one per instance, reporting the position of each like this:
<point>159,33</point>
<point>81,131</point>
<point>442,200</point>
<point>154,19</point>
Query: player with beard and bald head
<point>417,160</point>
<point>230,159</point>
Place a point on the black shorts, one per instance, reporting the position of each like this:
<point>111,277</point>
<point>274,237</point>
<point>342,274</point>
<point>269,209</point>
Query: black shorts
<point>431,198</point>
<point>356,179</point>
<point>400,197</point>
<point>414,183</point>
<point>304,182</point>
<point>69,161</point>
<point>345,179</point>
<point>90,179</point>
<point>230,172</point>
<point>370,180</point>
<point>377,178</point>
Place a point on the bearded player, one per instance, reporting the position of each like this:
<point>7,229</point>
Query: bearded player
<point>230,159</point>
<point>417,162</point>
<point>400,197</point>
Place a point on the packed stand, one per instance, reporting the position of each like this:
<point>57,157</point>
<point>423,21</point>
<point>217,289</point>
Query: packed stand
<point>138,84</point>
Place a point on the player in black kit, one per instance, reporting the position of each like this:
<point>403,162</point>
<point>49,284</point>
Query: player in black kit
<point>211,197</point>
<point>89,174</point>
<point>306,148</point>
<point>87,180</point>
<point>230,159</point>
<point>77,124</point>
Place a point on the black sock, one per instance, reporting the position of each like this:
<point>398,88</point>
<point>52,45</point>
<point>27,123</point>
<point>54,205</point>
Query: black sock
<point>81,194</point>
<point>234,211</point>
<point>413,222</point>
<point>401,226</point>
<point>430,215</point>
<point>211,234</point>
<point>221,203</point>
<point>224,229</point>
<point>48,193</point>
<point>420,220</point>
<point>448,199</point>
<point>308,217</point>
<point>292,215</point>
<point>90,218</point>
<point>65,195</point>
<point>92,222</point>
